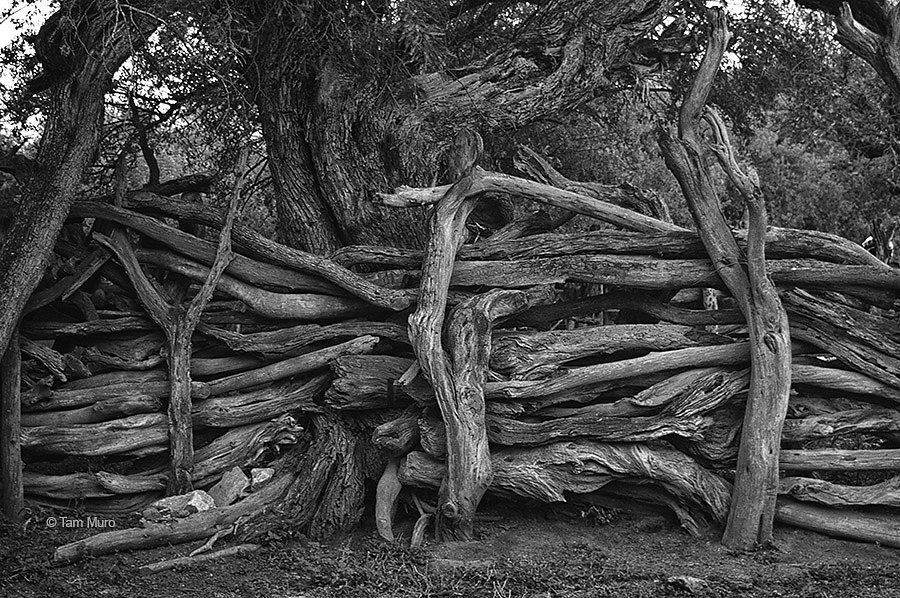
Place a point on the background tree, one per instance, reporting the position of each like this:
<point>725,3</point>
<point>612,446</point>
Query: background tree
<point>79,49</point>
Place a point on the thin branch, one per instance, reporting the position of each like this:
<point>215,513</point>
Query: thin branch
<point>143,141</point>
<point>150,297</point>
<point>694,103</point>
<point>224,252</point>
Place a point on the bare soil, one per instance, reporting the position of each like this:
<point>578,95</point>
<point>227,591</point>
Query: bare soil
<point>540,553</point>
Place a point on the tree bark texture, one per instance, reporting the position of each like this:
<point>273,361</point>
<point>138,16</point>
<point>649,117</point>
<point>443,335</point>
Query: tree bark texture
<point>82,75</point>
<point>753,501</point>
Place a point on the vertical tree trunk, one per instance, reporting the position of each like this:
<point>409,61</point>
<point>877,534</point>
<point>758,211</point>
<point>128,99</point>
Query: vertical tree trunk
<point>752,511</point>
<point>11,491</point>
<point>104,38</point>
<point>181,432</point>
<point>305,220</point>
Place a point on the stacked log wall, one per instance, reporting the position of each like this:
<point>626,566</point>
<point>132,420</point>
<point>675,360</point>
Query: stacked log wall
<point>572,407</point>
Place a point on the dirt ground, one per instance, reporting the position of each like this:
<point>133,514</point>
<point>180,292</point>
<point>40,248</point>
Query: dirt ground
<point>541,553</point>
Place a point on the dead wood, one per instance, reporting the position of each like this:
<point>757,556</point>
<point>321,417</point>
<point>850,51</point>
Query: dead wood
<point>839,460</point>
<point>259,246</point>
<point>187,561</point>
<point>544,317</point>
<point>291,367</point>
<point>67,285</point>
<point>546,473</point>
<point>285,340</point>
<point>485,182</point>
<point>280,306</point>
<point>644,272</point>
<point>529,355</point>
<point>195,527</point>
<point>693,357</point>
<point>127,435</point>
<point>261,404</point>
<point>433,434</point>
<point>65,397</point>
<point>64,487</point>
<point>11,488</point>
<point>386,496</point>
<point>367,382</point>
<point>857,421</point>
<point>886,493</point>
<point>843,380</point>
<point>781,243</point>
<point>50,359</point>
<point>100,411</point>
<point>753,502</point>
<point>400,435</point>
<point>48,330</point>
<point>879,528</point>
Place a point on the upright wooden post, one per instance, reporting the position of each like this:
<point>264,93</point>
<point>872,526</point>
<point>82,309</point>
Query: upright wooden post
<point>752,510</point>
<point>11,492</point>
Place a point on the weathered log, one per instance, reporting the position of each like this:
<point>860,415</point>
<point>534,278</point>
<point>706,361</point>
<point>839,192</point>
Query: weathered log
<point>247,269</point>
<point>129,349</point>
<point>839,460</point>
<point>127,435</point>
<point>843,380</point>
<point>261,404</point>
<point>285,340</point>
<point>45,330</point>
<point>732,354</point>
<point>67,397</point>
<point>649,273</point>
<point>186,561</point>
<point>218,366</point>
<point>874,330</point>
<point>867,342</point>
<point>433,434</point>
<point>529,355</point>
<point>648,401</point>
<point>196,527</point>
<point>238,447</point>
<point>400,435</point>
<point>859,421</point>
<point>254,243</point>
<point>102,410</point>
<point>880,366</point>
<point>469,469</point>
<point>781,243</point>
<point>367,382</point>
<point>125,505</point>
<point>544,317</point>
<point>886,493</point>
<point>511,432</point>
<point>623,194</point>
<point>50,359</point>
<point>591,393</point>
<point>546,473</point>
<point>291,367</point>
<point>72,486</point>
<point>386,495</point>
<point>678,408</point>
<point>468,341</point>
<point>329,487</point>
<point>879,528</point>
<point>484,181</point>
<point>280,306</point>
<point>67,285</point>
<point>11,484</point>
<point>756,477</point>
